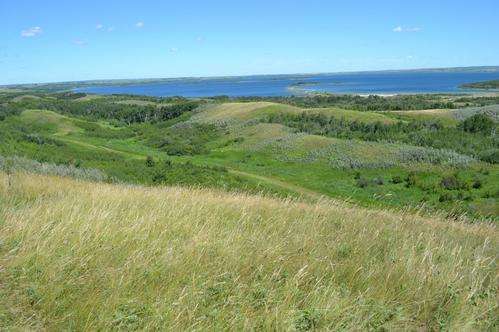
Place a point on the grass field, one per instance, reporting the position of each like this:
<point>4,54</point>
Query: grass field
<point>138,213</point>
<point>91,256</point>
<point>244,151</point>
<point>449,117</point>
<point>243,112</point>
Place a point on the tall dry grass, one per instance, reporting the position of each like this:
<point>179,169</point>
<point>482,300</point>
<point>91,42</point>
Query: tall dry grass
<point>93,256</point>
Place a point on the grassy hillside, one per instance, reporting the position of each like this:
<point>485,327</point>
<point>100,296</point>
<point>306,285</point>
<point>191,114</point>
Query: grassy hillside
<point>449,117</point>
<point>425,160</point>
<point>236,112</point>
<point>94,256</point>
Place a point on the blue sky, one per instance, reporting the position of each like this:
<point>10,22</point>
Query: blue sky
<point>46,41</point>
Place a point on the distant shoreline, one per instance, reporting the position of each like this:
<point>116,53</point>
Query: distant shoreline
<point>133,81</point>
<point>448,82</point>
<point>482,85</point>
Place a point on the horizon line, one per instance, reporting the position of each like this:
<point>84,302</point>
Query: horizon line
<point>493,67</point>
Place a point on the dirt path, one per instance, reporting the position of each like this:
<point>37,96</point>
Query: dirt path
<point>278,183</point>
<point>99,147</point>
<point>307,193</point>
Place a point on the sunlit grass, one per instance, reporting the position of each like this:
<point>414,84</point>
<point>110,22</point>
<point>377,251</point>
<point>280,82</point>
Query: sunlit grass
<point>94,256</point>
<point>234,113</point>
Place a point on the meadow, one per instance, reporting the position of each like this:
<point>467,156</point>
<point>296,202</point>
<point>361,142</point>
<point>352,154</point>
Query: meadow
<point>312,213</point>
<point>436,160</point>
<point>79,255</point>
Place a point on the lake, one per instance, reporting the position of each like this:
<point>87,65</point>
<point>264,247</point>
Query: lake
<point>396,82</point>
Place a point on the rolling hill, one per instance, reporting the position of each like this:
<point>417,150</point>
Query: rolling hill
<point>129,213</point>
<point>390,159</point>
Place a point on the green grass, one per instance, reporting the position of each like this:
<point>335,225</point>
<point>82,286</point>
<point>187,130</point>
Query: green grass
<point>448,117</point>
<point>217,219</point>
<point>243,112</point>
<point>256,156</point>
<point>445,116</point>
<point>59,124</point>
<point>342,183</point>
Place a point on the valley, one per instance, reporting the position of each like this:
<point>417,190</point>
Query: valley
<point>392,159</point>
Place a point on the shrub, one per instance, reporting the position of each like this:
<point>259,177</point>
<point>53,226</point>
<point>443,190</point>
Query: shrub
<point>219,168</point>
<point>484,171</point>
<point>40,140</point>
<point>159,177</point>
<point>20,164</point>
<point>445,197</point>
<point>477,184</point>
<point>396,179</point>
<point>362,182</point>
<point>490,156</point>
<point>411,180</point>
<point>478,123</point>
<point>465,196</point>
<point>452,183</point>
<point>150,161</point>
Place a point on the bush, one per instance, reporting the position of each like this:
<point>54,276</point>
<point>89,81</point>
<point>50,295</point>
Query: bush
<point>477,184</point>
<point>445,197</point>
<point>362,182</point>
<point>150,161</point>
<point>478,123</point>
<point>41,140</point>
<point>159,177</point>
<point>464,196</point>
<point>396,179</point>
<point>452,183</point>
<point>20,164</point>
<point>411,180</point>
<point>490,156</point>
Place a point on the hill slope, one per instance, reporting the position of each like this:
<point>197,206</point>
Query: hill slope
<point>92,256</point>
<point>394,159</point>
<point>492,84</point>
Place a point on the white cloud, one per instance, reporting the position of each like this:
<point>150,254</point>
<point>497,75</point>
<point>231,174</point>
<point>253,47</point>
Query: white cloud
<point>406,29</point>
<point>79,42</point>
<point>139,24</point>
<point>101,27</point>
<point>31,32</point>
<point>200,39</point>
<point>173,50</point>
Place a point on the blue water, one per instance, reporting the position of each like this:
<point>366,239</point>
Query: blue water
<point>285,85</point>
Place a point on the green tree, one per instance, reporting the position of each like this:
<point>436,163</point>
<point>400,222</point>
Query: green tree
<point>478,123</point>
